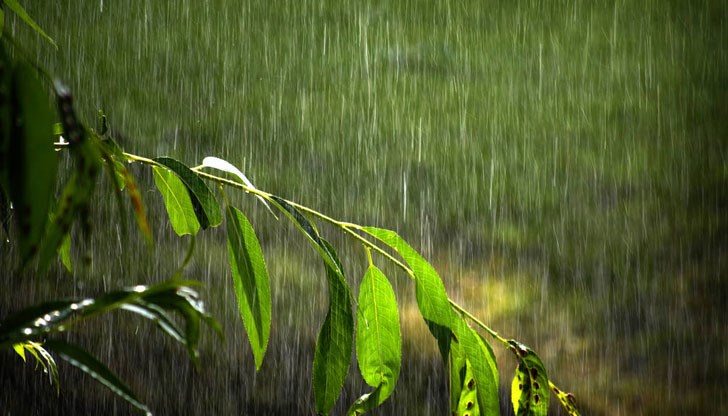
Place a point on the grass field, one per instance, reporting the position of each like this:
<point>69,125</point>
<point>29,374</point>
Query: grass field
<point>564,165</point>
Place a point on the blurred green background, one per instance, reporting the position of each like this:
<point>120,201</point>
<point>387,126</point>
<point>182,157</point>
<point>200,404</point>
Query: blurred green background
<point>563,164</point>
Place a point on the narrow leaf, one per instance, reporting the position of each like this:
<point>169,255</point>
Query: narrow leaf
<point>206,207</point>
<point>300,220</point>
<point>250,278</point>
<point>42,357</point>
<point>225,166</point>
<point>32,161</point>
<point>80,358</point>
<point>530,386</point>
<point>176,201</point>
<point>378,339</point>
<point>333,347</point>
<point>20,11</point>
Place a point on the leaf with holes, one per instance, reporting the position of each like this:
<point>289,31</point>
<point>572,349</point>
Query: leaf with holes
<point>530,386</point>
<point>250,278</point>
<point>466,403</point>
<point>567,401</point>
<point>481,362</point>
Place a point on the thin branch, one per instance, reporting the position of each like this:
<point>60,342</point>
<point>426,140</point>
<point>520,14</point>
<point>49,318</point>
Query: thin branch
<point>347,227</point>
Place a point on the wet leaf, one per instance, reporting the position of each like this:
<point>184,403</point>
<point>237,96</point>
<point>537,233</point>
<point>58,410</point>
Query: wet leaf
<point>303,224</point>
<point>378,339</point>
<point>480,360</point>
<point>365,403</point>
<point>81,359</point>
<point>31,160</point>
<point>151,302</point>
<point>530,386</point>
<point>432,299</point>
<point>20,11</point>
<point>225,166</point>
<point>463,387</point>
<point>42,357</point>
<point>206,207</point>
<point>176,201</point>
<point>333,347</point>
<point>567,401</point>
<point>250,278</point>
<point>335,340</point>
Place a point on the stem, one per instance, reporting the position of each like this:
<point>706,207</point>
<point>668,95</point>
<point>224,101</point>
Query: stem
<point>346,227</point>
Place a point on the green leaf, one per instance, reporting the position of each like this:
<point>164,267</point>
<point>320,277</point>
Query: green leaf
<point>177,202</point>
<point>435,308</point>
<point>530,386</point>
<point>378,339</point>
<point>463,391</point>
<point>31,160</point>
<point>151,302</point>
<point>65,252</point>
<point>81,359</point>
<point>20,11</point>
<point>20,350</point>
<point>480,360</point>
<point>432,299</point>
<point>206,207</point>
<point>335,340</point>
<point>42,357</point>
<point>250,278</point>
